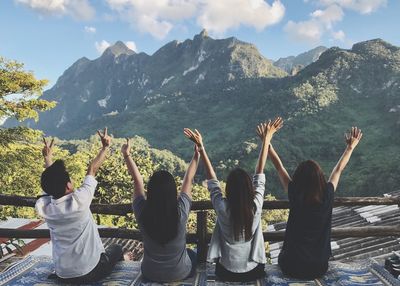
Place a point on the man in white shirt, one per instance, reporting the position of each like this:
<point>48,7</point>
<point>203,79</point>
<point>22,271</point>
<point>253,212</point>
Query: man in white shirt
<point>78,253</point>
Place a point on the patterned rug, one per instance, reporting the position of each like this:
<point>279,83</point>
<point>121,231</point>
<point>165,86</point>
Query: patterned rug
<point>35,270</point>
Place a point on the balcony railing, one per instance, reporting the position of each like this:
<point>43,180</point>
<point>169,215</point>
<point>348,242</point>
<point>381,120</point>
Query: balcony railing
<point>201,237</point>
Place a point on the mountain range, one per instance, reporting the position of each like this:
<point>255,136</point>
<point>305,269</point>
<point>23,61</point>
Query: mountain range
<point>225,87</point>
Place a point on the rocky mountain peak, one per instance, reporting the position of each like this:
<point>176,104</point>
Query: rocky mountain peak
<point>119,48</point>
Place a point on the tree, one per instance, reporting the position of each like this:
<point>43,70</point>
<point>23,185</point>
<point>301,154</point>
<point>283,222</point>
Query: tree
<point>19,98</point>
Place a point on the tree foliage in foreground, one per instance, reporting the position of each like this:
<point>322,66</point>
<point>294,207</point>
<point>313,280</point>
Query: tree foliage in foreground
<point>19,98</point>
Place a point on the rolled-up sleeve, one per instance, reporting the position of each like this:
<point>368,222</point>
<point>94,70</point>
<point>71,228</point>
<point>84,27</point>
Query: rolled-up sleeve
<point>259,188</point>
<point>216,195</point>
<point>84,194</point>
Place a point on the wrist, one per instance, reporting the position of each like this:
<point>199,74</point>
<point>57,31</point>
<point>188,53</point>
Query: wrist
<point>200,148</point>
<point>127,156</point>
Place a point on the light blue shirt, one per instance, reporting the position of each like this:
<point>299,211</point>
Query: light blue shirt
<point>236,256</point>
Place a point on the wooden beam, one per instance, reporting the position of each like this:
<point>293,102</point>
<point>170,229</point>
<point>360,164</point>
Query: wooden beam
<point>124,209</point>
<point>339,232</point>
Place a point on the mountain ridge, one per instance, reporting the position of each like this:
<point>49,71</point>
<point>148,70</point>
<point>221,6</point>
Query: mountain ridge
<point>157,96</point>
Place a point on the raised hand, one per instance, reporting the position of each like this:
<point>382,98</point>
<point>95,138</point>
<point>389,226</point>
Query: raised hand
<point>105,138</point>
<point>47,150</point>
<point>194,136</point>
<point>269,128</point>
<point>126,148</point>
<point>353,137</point>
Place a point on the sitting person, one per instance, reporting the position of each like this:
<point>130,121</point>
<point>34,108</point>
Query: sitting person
<point>78,252</point>
<point>307,245</point>
<point>237,243</point>
<point>162,218</point>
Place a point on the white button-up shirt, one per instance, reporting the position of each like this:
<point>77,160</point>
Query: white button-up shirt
<point>76,242</point>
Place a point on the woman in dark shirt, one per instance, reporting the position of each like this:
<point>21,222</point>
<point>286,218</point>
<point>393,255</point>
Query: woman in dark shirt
<point>306,248</point>
<point>162,218</point>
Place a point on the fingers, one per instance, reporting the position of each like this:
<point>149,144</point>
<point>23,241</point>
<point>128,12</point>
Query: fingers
<point>128,141</point>
<point>98,132</point>
<point>105,132</point>
<point>188,133</point>
<point>197,133</point>
<point>52,143</point>
<point>44,141</point>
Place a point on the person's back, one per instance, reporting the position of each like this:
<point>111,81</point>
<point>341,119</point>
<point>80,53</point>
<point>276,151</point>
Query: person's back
<point>306,249</point>
<point>169,261</point>
<point>72,227</point>
<point>307,238</point>
<point>237,243</point>
<point>162,219</point>
<point>77,250</point>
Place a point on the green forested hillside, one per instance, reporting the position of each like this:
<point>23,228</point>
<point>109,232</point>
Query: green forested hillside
<point>343,88</point>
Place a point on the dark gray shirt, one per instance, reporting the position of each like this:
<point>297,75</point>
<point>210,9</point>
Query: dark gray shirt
<point>169,262</point>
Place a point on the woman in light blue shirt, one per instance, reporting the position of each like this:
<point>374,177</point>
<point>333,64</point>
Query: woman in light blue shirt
<point>237,244</point>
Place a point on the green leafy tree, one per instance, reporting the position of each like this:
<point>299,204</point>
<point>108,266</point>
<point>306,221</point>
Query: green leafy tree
<point>19,98</point>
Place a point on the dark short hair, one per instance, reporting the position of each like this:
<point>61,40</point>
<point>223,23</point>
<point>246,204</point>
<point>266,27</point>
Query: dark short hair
<point>55,179</point>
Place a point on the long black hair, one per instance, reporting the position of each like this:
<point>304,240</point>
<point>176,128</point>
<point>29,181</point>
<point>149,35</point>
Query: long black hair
<point>309,179</point>
<point>160,213</point>
<point>240,196</point>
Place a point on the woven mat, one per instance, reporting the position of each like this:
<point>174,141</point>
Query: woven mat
<point>35,270</point>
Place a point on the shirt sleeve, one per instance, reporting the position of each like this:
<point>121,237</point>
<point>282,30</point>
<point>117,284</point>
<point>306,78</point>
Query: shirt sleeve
<point>217,199</point>
<point>41,204</point>
<point>259,188</point>
<point>184,205</point>
<point>138,205</point>
<point>84,194</point>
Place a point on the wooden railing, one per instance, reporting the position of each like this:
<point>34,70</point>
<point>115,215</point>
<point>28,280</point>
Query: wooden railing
<point>201,237</point>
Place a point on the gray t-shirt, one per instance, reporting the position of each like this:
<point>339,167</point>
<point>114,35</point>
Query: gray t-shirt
<point>169,262</point>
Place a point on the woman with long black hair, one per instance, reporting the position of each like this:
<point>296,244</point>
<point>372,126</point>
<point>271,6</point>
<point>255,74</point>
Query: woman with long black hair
<point>237,244</point>
<point>162,218</point>
<point>307,245</point>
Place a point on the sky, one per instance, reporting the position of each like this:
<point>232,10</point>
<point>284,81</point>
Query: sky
<point>48,36</point>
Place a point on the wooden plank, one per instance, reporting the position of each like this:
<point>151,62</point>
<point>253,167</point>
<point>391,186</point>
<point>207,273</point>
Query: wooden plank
<point>124,209</point>
<point>340,232</point>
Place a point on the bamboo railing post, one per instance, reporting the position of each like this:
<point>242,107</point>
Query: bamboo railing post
<point>201,234</point>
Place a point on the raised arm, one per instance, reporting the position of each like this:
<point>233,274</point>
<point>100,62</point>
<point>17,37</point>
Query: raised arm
<point>284,177</point>
<point>190,172</point>
<point>198,140</point>
<point>265,131</point>
<point>47,152</point>
<point>101,156</point>
<point>352,139</point>
<point>133,170</point>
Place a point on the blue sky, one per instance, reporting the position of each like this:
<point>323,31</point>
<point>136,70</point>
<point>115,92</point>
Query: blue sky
<point>49,35</point>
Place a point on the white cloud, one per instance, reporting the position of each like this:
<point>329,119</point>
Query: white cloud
<point>155,17</point>
<point>102,46</point>
<point>78,9</point>
<point>158,17</point>
<point>361,6</point>
<point>90,30</point>
<point>219,16</point>
<point>328,16</point>
<point>306,31</point>
<point>339,35</point>
<point>320,22</point>
<point>131,45</point>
